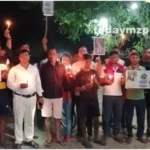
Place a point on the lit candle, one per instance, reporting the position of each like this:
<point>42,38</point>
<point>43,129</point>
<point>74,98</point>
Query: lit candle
<point>58,60</point>
<point>8,24</point>
<point>68,67</point>
<point>110,76</point>
<point>92,77</point>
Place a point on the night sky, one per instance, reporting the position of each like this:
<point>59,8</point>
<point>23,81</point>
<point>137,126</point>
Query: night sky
<point>28,25</point>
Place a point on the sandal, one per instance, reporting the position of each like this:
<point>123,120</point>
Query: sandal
<point>47,143</point>
<point>32,144</point>
<point>61,142</point>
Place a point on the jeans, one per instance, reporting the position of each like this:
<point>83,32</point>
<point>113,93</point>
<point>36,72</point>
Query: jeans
<point>123,119</point>
<point>67,110</point>
<point>140,112</point>
<point>112,105</point>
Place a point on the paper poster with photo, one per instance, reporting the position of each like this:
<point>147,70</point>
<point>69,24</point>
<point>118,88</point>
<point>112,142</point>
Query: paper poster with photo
<point>137,79</point>
<point>99,46</point>
<point>131,79</point>
<point>144,79</point>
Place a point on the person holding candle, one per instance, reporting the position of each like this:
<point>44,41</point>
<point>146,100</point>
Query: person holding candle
<point>54,80</point>
<point>76,67</point>
<point>24,81</point>
<point>87,83</point>
<point>146,63</point>
<point>5,101</point>
<point>24,45</point>
<point>112,97</point>
<point>66,61</point>
<point>135,99</point>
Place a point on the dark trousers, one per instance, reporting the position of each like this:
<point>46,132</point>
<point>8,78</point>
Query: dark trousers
<point>147,97</point>
<point>89,123</point>
<point>112,105</point>
<point>75,102</point>
<point>123,119</point>
<point>140,113</point>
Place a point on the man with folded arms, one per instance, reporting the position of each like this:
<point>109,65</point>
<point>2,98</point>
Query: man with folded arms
<point>24,81</point>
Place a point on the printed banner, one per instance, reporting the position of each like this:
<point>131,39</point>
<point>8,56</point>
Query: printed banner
<point>137,79</point>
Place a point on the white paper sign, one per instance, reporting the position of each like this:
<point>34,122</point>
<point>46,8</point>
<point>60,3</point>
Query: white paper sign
<point>99,46</point>
<point>137,79</point>
<point>48,8</point>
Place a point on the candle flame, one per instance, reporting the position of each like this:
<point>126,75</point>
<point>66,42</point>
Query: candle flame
<point>68,67</point>
<point>8,24</point>
<point>110,76</point>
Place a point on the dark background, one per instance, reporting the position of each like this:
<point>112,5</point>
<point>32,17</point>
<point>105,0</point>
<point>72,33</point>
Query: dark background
<point>29,26</point>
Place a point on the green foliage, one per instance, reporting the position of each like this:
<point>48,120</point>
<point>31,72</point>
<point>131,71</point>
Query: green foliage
<point>77,18</point>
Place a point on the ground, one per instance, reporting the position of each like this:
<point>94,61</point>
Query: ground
<point>74,144</point>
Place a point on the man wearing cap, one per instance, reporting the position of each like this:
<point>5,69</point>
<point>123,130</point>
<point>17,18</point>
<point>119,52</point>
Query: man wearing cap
<point>24,81</point>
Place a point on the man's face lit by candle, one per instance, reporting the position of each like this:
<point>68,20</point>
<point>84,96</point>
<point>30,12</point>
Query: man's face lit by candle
<point>24,57</point>
<point>134,58</point>
<point>82,51</point>
<point>87,63</point>
<point>52,55</point>
<point>114,58</point>
<point>66,60</point>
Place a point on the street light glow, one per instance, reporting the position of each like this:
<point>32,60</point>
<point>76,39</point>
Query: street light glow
<point>134,6</point>
<point>103,22</point>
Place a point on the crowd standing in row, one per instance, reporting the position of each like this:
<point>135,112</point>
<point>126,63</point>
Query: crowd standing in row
<point>73,82</point>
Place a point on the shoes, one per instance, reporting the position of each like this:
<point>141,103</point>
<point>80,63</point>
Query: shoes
<point>142,139</point>
<point>87,145</point>
<point>68,138</point>
<point>103,141</point>
<point>129,140</point>
<point>118,138</point>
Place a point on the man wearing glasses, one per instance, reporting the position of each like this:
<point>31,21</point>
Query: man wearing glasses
<point>24,81</point>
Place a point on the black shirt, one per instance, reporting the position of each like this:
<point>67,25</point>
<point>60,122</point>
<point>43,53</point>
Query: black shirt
<point>53,80</point>
<point>84,77</point>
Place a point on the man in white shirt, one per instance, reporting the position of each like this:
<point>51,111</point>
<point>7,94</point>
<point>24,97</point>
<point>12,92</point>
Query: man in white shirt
<point>24,81</point>
<point>113,98</point>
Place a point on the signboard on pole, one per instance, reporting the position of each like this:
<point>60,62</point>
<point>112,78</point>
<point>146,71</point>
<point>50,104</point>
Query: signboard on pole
<point>99,46</point>
<point>48,8</point>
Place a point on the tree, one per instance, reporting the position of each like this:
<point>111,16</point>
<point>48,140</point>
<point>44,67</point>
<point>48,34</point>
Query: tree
<point>77,18</point>
<point>81,17</point>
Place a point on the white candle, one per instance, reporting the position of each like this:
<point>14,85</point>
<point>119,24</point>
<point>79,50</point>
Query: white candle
<point>92,77</point>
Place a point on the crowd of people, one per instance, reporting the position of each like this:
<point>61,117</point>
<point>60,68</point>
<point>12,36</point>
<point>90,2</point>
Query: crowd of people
<point>51,86</point>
